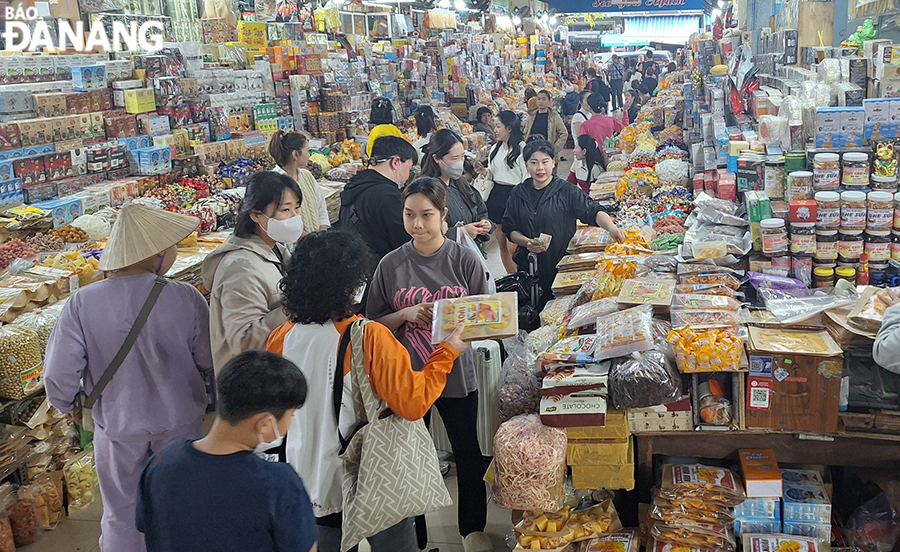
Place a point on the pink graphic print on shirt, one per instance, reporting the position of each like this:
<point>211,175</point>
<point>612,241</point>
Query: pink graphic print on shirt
<point>419,335</point>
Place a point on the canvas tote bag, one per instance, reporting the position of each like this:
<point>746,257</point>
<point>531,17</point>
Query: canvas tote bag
<point>390,465</point>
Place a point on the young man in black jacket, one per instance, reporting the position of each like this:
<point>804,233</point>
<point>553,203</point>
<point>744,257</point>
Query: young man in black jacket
<point>371,203</point>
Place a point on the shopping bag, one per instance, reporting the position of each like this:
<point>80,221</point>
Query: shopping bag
<point>465,239</point>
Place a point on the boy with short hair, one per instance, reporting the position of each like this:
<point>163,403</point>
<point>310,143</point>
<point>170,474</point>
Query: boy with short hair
<point>220,492</point>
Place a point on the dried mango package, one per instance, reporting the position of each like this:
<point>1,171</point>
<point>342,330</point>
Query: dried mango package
<point>698,301</point>
<point>698,480</point>
<point>710,278</point>
<point>654,292</point>
<point>787,543</point>
<point>566,526</point>
<point>621,541</point>
<point>706,289</point>
<point>586,315</point>
<point>672,513</point>
<point>710,537</point>
<point>624,332</point>
<point>706,350</point>
<point>483,317</point>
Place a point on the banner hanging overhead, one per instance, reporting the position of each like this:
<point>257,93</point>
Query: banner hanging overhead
<point>620,6</point>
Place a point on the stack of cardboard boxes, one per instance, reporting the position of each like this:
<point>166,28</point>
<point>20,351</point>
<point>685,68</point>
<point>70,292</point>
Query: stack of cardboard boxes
<point>602,457</point>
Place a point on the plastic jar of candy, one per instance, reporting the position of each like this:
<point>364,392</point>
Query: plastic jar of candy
<point>884,183</point>
<point>895,245</point>
<point>846,273</point>
<point>826,171</point>
<point>880,210</point>
<point>828,209</point>
<point>826,244</point>
<point>774,237</point>
<point>855,167</point>
<point>878,244</point>
<point>823,277</point>
<point>803,239</point>
<point>853,210</point>
<point>850,245</point>
<point>799,186</point>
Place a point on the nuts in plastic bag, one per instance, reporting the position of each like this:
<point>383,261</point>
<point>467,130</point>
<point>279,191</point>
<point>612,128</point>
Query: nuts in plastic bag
<point>529,468</point>
<point>643,380</point>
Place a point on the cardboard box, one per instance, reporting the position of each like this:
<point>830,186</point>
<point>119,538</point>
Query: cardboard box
<point>828,127</point>
<point>791,388</point>
<point>93,199</point>
<point>611,477</point>
<point>853,122</point>
<point>63,211</point>
<point>155,125</point>
<point>9,137</point>
<point>598,452</point>
<point>616,428</point>
<point>88,77</point>
<point>762,478</point>
<point>211,153</point>
<point>879,123</point>
<point>140,100</point>
<point>52,104</point>
<point>135,142</point>
<point>676,416</point>
<point>153,160</point>
<point>802,210</point>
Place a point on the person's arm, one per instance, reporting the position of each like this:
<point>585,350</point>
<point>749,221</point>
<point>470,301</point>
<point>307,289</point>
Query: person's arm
<point>481,213</point>
<point>562,134</point>
<point>887,342</point>
<point>246,318</point>
<point>65,359</point>
<point>291,517</point>
<point>407,392</point>
<point>576,126</point>
<point>324,219</point>
<point>380,307</point>
<point>200,348</point>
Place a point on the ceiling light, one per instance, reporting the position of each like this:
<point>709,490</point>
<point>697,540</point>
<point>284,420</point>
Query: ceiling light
<point>517,21</point>
<point>460,5</point>
<point>721,4</point>
<point>545,18</point>
<point>716,14</point>
<point>553,20</point>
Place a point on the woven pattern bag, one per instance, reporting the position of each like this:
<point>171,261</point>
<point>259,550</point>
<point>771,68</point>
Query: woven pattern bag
<point>390,465</point>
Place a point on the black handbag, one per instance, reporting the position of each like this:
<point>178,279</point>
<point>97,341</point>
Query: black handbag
<point>528,288</point>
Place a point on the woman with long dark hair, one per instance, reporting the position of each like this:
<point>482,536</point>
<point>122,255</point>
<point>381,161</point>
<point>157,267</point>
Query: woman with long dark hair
<point>632,106</point>
<point>290,150</point>
<point>382,119</point>
<point>484,123</point>
<point>506,169</point>
<point>588,164</point>
<point>445,161</point>
<point>426,125</point>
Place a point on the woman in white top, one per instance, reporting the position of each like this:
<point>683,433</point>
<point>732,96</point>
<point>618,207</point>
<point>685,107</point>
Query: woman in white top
<point>583,114</point>
<point>507,169</point>
<point>426,125</point>
<point>291,153</point>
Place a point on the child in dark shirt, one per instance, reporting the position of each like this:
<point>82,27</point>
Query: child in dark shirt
<point>221,492</point>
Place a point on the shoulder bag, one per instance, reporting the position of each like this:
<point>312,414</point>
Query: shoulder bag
<point>84,402</point>
<point>390,465</point>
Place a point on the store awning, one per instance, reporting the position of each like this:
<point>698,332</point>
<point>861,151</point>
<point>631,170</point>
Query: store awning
<point>640,31</point>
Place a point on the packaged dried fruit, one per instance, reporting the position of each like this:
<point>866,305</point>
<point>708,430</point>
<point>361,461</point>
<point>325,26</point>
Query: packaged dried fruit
<point>624,332</point>
<point>785,543</point>
<point>698,301</point>
<point>621,541</point>
<point>46,491</point>
<point>706,289</point>
<point>586,315</point>
<point>708,278</point>
<point>483,317</point>
<point>704,536</point>
<point>643,380</point>
<point>555,310</point>
<point>568,524</point>
<point>700,481</point>
<point>647,292</point>
<point>705,318</point>
<point>579,261</point>
<point>706,350</point>
<point>570,282</point>
<point>24,517</point>
<point>80,478</point>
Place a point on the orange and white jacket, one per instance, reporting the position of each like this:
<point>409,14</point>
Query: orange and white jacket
<point>312,442</point>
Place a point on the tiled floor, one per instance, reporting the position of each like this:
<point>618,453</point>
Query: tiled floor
<point>80,532</point>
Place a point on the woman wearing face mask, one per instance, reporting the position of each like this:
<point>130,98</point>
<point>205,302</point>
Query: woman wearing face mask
<point>322,281</point>
<point>402,295</point>
<point>157,394</point>
<point>243,273</point>
<point>506,169</point>
<point>291,153</point>
<point>446,162</point>
<point>588,164</point>
<point>544,204</point>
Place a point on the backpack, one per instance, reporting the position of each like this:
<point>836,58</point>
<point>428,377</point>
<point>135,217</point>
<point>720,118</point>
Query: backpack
<point>570,103</point>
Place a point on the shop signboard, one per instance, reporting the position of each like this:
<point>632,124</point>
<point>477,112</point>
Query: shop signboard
<point>620,6</point>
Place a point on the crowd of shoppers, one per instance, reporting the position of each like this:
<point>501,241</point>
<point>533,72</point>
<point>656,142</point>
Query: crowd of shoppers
<point>268,475</point>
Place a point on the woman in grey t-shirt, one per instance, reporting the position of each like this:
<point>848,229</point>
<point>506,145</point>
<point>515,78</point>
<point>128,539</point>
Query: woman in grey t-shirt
<point>406,284</point>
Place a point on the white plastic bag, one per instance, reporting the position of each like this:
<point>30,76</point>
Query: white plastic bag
<point>463,238</point>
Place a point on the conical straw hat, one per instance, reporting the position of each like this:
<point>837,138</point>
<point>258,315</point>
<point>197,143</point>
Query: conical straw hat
<point>141,232</point>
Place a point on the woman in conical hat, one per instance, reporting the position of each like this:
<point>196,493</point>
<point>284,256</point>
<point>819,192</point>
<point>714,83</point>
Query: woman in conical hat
<point>157,395</point>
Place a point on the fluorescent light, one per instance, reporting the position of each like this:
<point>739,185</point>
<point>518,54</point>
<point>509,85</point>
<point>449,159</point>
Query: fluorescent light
<point>721,4</point>
<point>545,18</point>
<point>716,14</point>
<point>460,5</point>
<point>553,20</point>
<point>517,21</point>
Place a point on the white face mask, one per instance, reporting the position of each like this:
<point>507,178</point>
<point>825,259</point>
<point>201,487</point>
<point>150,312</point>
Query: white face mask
<point>452,171</point>
<point>285,231</point>
<point>263,446</point>
<point>358,296</point>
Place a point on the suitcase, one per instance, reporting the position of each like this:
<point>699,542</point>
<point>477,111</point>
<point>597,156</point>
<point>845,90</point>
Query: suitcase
<point>487,372</point>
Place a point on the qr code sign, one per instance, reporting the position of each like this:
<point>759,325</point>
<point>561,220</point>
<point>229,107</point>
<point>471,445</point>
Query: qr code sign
<point>759,395</point>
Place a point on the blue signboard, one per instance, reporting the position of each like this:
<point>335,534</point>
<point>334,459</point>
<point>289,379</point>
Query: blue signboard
<point>620,6</point>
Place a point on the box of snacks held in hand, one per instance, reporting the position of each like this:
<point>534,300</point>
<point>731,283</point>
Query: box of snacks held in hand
<point>487,316</point>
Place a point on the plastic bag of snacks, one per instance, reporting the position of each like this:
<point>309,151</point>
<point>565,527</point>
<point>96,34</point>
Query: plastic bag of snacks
<point>24,516</point>
<point>624,332</point>
<point>483,316</point>
<point>612,276</point>
<point>20,362</point>
<point>703,536</point>
<point>621,541</point>
<point>47,492</point>
<point>701,482</point>
<point>529,466</point>
<point>587,314</point>
<point>705,318</point>
<point>520,380</point>
<point>674,512</point>
<point>41,321</point>
<point>706,289</point>
<point>80,477</point>
<point>710,350</point>
<point>556,310</point>
<point>545,530</point>
<point>643,380</point>
<point>709,278</point>
<point>698,301</point>
<point>7,541</point>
